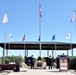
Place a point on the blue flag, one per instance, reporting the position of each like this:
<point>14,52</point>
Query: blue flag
<point>53,37</point>
<point>39,38</point>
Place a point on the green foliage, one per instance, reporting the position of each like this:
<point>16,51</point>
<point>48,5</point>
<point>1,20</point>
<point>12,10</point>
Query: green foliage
<point>35,59</point>
<point>43,59</point>
<point>53,61</point>
<point>0,60</point>
<point>16,59</point>
<point>72,57</point>
<point>72,64</point>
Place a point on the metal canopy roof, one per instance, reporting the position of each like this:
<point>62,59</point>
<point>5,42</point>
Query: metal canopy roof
<point>32,45</point>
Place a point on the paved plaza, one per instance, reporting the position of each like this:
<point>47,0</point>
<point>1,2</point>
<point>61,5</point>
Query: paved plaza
<point>39,72</point>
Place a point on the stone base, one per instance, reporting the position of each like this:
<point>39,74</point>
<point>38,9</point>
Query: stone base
<point>40,65</point>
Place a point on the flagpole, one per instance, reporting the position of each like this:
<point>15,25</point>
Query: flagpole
<point>40,37</point>
<point>24,45</point>
<point>24,48</point>
<point>40,27</point>
<point>10,37</point>
<point>53,38</point>
<point>4,44</point>
<point>75,20</point>
<point>55,48</point>
<point>5,20</point>
<point>70,41</point>
<point>9,44</point>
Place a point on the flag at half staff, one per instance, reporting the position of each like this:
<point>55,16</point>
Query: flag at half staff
<point>5,18</point>
<point>11,36</point>
<point>40,10</point>
<point>53,37</point>
<point>23,38</point>
<point>68,36</point>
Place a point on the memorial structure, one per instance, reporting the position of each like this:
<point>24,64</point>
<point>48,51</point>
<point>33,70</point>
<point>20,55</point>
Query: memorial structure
<point>63,63</point>
<point>40,65</point>
<point>32,45</point>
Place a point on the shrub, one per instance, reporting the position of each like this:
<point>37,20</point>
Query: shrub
<point>72,64</point>
<point>16,59</point>
<point>72,57</point>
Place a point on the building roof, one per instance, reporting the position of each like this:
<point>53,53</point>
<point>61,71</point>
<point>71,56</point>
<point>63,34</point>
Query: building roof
<point>35,45</point>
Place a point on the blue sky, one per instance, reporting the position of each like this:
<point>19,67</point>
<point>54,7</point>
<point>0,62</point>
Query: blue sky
<point>23,16</point>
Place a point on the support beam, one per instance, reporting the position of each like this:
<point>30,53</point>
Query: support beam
<point>27,53</point>
<point>3,56</point>
<point>72,52</point>
<point>67,53</point>
<point>7,52</point>
<point>47,53</point>
<point>52,53</point>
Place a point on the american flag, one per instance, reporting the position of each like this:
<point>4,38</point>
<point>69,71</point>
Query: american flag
<point>40,10</point>
<point>73,18</point>
<point>23,38</point>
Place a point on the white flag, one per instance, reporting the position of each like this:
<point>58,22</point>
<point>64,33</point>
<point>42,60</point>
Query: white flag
<point>68,36</point>
<point>5,18</point>
<point>11,36</point>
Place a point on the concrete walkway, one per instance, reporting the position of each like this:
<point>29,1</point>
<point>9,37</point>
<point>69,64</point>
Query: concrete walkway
<point>39,72</point>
